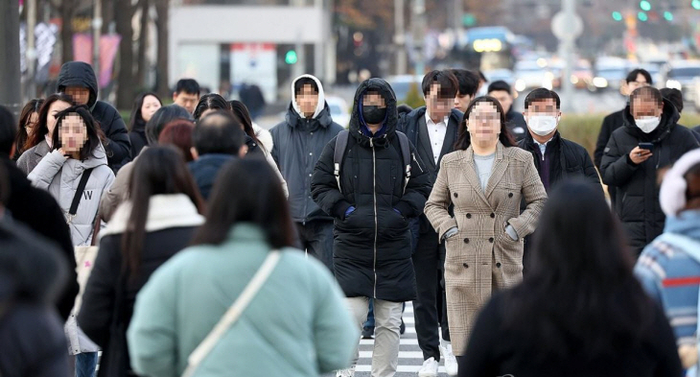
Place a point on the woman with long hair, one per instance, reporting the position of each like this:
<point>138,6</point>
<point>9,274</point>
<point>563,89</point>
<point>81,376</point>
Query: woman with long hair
<point>261,136</point>
<point>145,105</point>
<point>297,317</point>
<point>580,311</point>
<point>76,174</point>
<point>484,180</point>
<point>77,150</point>
<point>158,220</point>
<point>38,143</point>
<point>209,103</point>
<point>28,120</point>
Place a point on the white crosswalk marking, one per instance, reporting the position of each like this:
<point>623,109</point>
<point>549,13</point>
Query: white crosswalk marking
<point>410,355</point>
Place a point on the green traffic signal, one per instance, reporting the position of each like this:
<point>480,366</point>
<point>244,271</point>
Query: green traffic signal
<point>642,16</point>
<point>696,4</point>
<point>291,57</point>
<point>645,5</point>
<point>668,16</point>
<point>617,16</point>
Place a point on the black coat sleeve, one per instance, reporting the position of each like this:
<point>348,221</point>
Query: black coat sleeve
<point>99,298</point>
<point>603,138</point>
<point>478,359</point>
<point>119,146</point>
<point>616,167</point>
<point>324,187</point>
<point>413,201</point>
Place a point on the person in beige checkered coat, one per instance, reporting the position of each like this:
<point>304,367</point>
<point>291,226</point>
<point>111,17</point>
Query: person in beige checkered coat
<point>485,179</point>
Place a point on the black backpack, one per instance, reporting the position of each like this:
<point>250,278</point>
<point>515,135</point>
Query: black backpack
<point>341,144</point>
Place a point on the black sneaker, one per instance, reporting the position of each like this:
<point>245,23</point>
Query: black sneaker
<point>367,332</point>
<point>402,329</point>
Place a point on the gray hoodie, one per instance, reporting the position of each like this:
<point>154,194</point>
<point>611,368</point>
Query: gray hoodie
<point>60,176</point>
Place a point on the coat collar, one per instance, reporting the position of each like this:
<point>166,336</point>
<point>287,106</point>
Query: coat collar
<point>164,211</point>
<point>500,166</point>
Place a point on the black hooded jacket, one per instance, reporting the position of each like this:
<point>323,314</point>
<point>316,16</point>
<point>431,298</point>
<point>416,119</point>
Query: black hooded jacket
<point>372,247</point>
<point>31,334</point>
<point>637,203</point>
<point>118,148</point>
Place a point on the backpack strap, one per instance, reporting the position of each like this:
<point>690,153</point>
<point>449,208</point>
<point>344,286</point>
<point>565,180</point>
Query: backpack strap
<point>341,143</point>
<point>78,194</point>
<point>405,146</point>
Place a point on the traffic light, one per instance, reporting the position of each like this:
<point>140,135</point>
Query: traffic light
<point>617,16</point>
<point>668,16</point>
<point>642,16</point>
<point>645,5</point>
<point>696,4</point>
<point>291,57</point>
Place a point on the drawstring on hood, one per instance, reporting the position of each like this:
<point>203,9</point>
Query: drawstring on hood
<point>321,97</point>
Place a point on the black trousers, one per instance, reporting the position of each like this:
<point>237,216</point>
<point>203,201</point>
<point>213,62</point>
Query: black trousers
<point>430,307</point>
<point>316,238</point>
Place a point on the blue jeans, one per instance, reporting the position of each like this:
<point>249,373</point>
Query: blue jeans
<point>85,364</point>
<point>369,324</point>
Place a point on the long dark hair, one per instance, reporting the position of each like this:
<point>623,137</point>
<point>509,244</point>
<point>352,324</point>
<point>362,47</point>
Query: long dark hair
<point>95,135</point>
<point>158,170</point>
<point>136,120</point>
<point>580,298</point>
<point>258,199</point>
<point>211,101</point>
<point>42,128</point>
<point>464,140</point>
<point>30,108</point>
<point>240,110</point>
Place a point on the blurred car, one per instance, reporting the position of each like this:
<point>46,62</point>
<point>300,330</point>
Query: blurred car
<point>500,74</point>
<point>609,77</point>
<point>681,75</point>
<point>532,74</point>
<point>340,111</point>
<point>402,85</point>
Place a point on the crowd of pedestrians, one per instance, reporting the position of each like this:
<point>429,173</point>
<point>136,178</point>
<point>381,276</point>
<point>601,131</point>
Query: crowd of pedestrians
<point>220,248</point>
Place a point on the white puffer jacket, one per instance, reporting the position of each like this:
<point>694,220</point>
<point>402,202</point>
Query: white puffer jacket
<point>61,176</point>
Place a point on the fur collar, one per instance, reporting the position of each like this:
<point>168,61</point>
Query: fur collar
<point>164,211</point>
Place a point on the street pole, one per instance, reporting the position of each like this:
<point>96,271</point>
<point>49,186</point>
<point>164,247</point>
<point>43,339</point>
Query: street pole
<point>31,49</point>
<point>567,51</point>
<point>96,30</point>
<point>418,22</point>
<point>10,95</point>
<point>400,37</point>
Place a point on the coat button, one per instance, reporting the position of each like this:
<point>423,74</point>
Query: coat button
<point>493,215</point>
<point>465,265</point>
<point>466,240</point>
<point>491,239</point>
<point>498,264</point>
<point>510,194</point>
<point>469,215</point>
<point>456,195</point>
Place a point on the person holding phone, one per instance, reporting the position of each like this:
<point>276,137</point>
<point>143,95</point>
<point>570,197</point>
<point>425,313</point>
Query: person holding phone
<point>650,139</point>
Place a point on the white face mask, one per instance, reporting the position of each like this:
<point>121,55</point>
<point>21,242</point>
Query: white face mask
<point>542,125</point>
<point>647,123</point>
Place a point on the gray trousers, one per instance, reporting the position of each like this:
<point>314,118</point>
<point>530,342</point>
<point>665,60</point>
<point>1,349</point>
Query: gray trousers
<point>387,317</point>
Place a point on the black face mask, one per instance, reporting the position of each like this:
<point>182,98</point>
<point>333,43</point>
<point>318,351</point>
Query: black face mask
<point>373,114</point>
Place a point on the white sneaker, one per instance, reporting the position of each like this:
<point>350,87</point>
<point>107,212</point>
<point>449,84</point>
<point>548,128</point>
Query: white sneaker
<point>449,358</point>
<point>429,368</point>
<point>350,372</point>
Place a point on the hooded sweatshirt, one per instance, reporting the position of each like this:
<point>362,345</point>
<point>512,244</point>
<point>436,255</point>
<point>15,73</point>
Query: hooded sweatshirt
<point>81,74</point>
<point>298,143</point>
